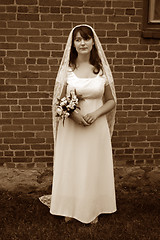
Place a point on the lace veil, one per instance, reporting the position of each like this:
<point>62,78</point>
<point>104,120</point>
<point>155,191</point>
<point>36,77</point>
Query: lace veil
<point>62,77</point>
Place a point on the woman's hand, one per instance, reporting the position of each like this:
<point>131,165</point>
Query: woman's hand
<point>90,117</point>
<point>77,117</point>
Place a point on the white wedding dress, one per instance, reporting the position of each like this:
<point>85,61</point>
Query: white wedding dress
<point>83,181</point>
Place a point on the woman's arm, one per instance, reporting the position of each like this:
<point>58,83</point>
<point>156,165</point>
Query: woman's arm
<point>108,105</point>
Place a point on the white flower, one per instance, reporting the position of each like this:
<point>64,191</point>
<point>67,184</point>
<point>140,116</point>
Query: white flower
<point>63,99</point>
<point>63,103</point>
<point>67,114</point>
<point>59,110</point>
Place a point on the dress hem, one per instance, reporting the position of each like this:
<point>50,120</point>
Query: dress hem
<point>82,221</point>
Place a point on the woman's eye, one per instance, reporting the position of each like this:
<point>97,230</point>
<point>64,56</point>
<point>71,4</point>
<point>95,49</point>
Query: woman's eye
<point>78,40</point>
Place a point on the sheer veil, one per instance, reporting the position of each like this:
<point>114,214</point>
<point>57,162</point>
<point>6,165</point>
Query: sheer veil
<point>61,81</point>
<point>62,77</point>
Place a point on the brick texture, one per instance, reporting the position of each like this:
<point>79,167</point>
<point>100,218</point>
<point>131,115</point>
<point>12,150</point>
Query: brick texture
<point>33,36</point>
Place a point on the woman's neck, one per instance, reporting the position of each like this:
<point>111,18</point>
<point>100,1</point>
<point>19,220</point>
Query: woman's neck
<point>82,60</point>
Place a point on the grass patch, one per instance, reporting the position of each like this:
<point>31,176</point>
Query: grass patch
<point>23,217</point>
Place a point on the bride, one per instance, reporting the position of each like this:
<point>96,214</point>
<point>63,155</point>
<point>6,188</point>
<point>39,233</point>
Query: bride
<point>83,181</point>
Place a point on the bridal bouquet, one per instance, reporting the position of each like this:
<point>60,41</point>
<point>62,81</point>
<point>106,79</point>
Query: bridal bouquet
<point>67,105</point>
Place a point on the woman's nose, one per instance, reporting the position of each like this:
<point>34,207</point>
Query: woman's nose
<point>82,41</point>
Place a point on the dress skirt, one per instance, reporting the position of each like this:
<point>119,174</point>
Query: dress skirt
<point>83,182</point>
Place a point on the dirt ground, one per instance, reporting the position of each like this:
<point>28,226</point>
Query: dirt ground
<point>38,179</point>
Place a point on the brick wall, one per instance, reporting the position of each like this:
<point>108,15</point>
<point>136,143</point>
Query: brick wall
<point>32,39</point>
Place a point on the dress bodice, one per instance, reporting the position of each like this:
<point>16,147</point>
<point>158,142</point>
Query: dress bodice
<point>91,88</point>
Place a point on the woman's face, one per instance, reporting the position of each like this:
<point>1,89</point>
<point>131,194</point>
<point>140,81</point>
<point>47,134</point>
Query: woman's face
<point>83,46</point>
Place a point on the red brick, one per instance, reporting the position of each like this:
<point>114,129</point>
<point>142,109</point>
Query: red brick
<point>116,19</point>
<point>8,88</point>
<point>130,11</point>
<point>148,61</point>
<point>51,17</point>
<point>28,74</point>
<point>5,121</point>
<point>40,146</point>
<point>5,159</point>
<point>36,109</point>
<point>44,134</point>
<point>147,54</point>
<point>87,10</point>
<point>32,127</point>
<point>16,95</point>
<point>39,54</point>
<point>50,46</point>
<point>23,121</point>
<point>50,3</point>
<point>41,25</point>
<point>34,140</point>
<point>16,67</point>
<point>126,26</point>
<point>29,32</point>
<point>7,16</point>
<point>17,39</point>
<point>19,24</point>
<point>77,10</point>
<point>30,60</point>
<point>144,69</point>
<point>126,55</point>
<point>44,159</point>
<point>136,126</point>
<point>4,108</point>
<point>37,82</point>
<point>55,10</point>
<point>123,68</point>
<point>34,115</point>
<point>28,17</point>
<point>28,46</point>
<point>19,153</point>
<point>39,153</point>
<point>138,47</point>
<point>38,68</point>
<point>140,94</point>
<point>128,61</point>
<point>17,53</point>
<point>23,9</point>
<point>8,31</point>
<point>29,2</point>
<point>94,3</point>
<point>65,9</point>
<point>128,40</point>
<point>108,11</point>
<point>20,61</point>
<point>39,95</point>
<point>75,18</point>
<point>16,81</point>
<point>22,159</point>
<point>7,45</point>
<point>6,2</point>
<point>133,75</point>
<point>72,3</point>
<point>97,18</point>
<point>62,25</point>
<point>122,4</point>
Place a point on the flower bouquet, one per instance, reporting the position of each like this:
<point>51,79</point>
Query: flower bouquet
<point>67,105</point>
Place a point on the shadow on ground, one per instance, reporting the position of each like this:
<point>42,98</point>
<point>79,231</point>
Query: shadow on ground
<point>24,217</point>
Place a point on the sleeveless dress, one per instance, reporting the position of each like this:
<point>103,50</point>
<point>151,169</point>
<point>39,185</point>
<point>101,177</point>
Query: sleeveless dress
<point>83,182</point>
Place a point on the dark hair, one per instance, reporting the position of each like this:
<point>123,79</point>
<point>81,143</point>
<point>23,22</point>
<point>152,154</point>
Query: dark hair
<point>86,33</point>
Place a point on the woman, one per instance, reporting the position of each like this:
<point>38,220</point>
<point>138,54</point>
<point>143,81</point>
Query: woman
<point>83,181</point>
